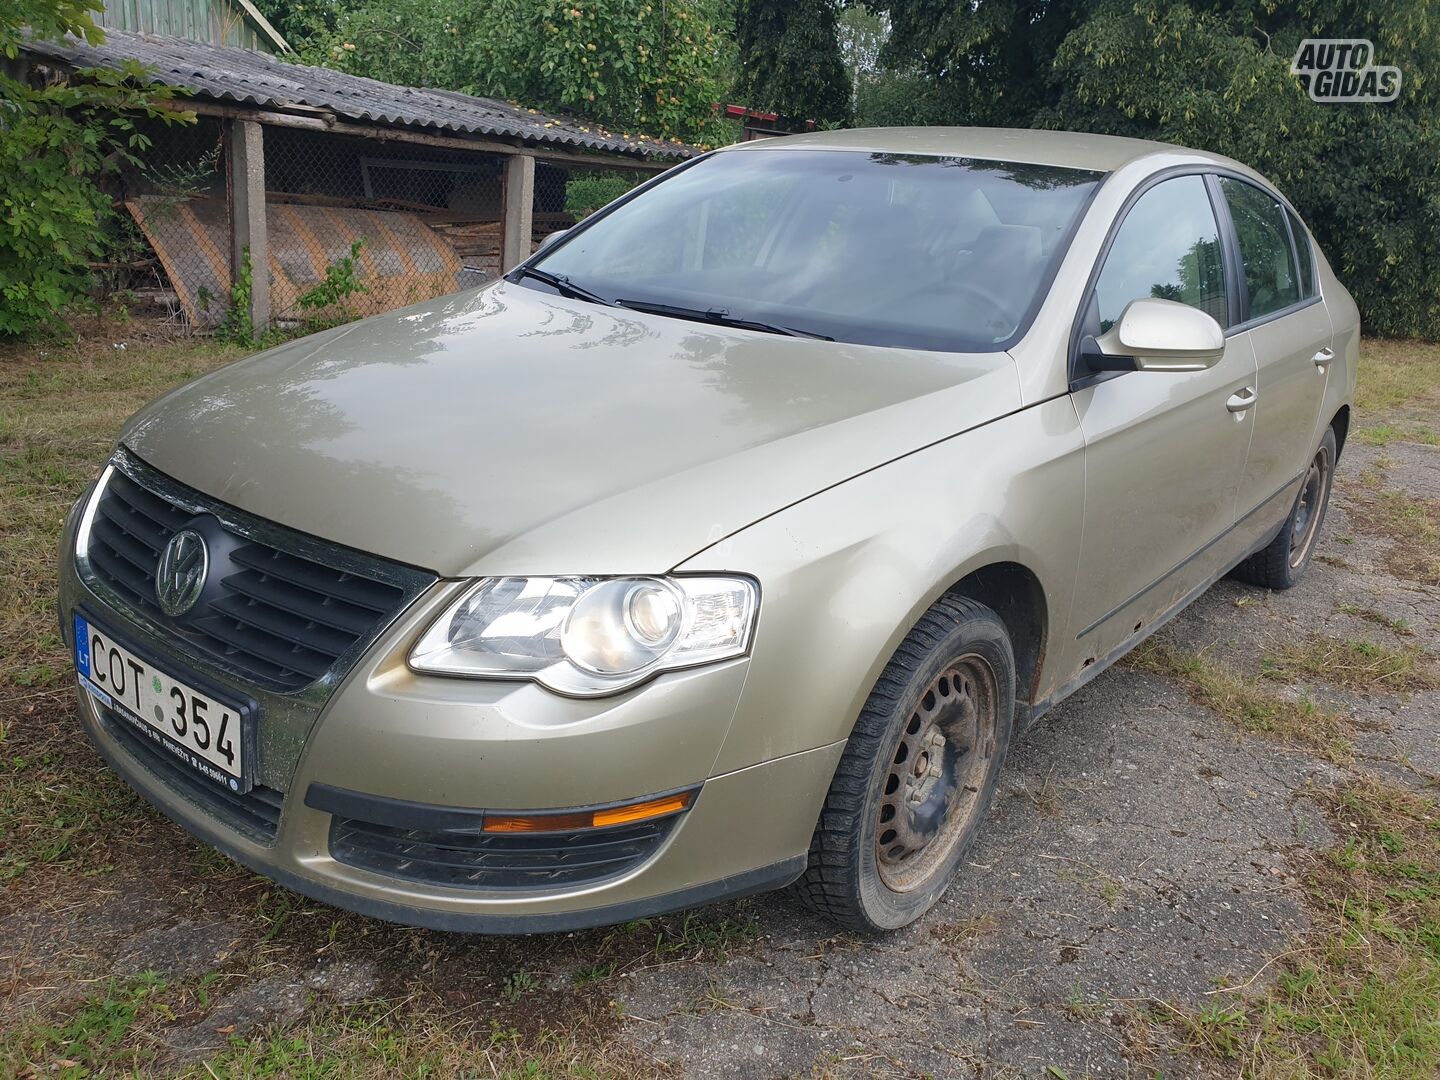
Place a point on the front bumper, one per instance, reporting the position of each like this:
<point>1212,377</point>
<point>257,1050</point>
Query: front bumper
<point>440,743</point>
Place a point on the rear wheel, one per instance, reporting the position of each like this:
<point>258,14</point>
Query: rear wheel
<point>1283,562</point>
<point>918,772</point>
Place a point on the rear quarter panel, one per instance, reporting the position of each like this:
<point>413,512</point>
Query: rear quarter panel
<point>1345,325</point>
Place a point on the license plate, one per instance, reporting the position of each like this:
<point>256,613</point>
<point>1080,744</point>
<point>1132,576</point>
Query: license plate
<point>198,729</point>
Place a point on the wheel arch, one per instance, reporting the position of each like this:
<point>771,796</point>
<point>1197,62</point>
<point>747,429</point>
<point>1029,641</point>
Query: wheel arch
<point>1340,424</point>
<point>1014,592</point>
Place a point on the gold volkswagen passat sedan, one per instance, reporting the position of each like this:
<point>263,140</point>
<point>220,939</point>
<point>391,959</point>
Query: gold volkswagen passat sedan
<point>726,543</point>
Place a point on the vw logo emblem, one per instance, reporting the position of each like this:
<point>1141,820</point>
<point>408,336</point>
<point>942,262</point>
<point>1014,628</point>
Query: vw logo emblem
<point>181,574</point>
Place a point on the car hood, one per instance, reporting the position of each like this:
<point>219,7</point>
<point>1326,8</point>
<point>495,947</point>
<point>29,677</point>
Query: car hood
<point>510,431</point>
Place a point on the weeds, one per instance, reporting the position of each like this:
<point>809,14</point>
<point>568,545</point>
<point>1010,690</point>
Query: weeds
<point>707,934</point>
<point>1362,666</point>
<point>1360,998</point>
<point>1247,703</point>
<point>594,973</point>
<point>377,1041</point>
<point>93,1038</point>
<point>1409,525</point>
<point>517,984</point>
<point>1400,627</point>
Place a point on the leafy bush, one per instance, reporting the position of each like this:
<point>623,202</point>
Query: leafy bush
<point>586,194</point>
<point>57,140</point>
<point>341,280</point>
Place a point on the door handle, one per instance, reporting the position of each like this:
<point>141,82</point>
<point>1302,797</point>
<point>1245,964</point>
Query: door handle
<point>1241,400</point>
<point>1323,357</point>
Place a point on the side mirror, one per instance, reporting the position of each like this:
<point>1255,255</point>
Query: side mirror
<point>550,238</point>
<point>1157,335</point>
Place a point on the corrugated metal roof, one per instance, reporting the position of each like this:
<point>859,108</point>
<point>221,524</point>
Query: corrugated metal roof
<point>252,78</point>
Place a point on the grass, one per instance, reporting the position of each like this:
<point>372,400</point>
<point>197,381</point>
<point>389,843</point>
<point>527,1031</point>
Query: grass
<point>964,932</point>
<point>1362,666</point>
<point>1248,703</point>
<point>96,1036</point>
<point>369,1046</point>
<point>1397,380</point>
<point>1383,435</point>
<point>1395,374</point>
<point>1409,525</point>
<point>114,1032</point>
<point>1359,997</point>
<point>60,408</point>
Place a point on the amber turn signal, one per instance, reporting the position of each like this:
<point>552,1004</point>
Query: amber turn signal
<point>663,806</point>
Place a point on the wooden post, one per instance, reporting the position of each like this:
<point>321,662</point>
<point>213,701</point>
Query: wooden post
<point>247,215</point>
<point>515,232</point>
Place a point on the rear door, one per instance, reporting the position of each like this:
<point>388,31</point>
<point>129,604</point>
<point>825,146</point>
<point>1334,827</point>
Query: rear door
<point>1164,451</point>
<point>1289,329</point>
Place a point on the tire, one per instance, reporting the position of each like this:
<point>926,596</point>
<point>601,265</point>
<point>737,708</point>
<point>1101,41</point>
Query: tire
<point>1283,562</point>
<point>890,836</point>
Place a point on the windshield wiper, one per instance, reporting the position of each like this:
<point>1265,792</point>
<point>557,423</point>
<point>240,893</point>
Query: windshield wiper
<point>720,316</point>
<point>563,285</point>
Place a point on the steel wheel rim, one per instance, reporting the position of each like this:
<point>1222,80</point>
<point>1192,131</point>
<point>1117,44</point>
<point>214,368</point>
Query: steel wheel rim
<point>930,791</point>
<point>1306,522</point>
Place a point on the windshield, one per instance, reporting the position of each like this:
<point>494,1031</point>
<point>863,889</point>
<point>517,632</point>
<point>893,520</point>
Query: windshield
<point>880,249</point>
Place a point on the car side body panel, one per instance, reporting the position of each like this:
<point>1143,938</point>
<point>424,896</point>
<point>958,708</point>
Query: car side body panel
<point>846,574</point>
<point>1345,340</point>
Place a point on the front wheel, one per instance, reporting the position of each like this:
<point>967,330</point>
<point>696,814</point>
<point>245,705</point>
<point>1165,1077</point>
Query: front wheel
<point>1283,562</point>
<point>917,774</point>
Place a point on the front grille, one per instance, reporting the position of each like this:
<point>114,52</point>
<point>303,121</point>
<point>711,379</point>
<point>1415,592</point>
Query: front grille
<point>256,813</point>
<point>276,619</point>
<point>468,858</point>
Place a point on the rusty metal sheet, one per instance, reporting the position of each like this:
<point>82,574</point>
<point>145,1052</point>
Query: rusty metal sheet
<point>402,260</point>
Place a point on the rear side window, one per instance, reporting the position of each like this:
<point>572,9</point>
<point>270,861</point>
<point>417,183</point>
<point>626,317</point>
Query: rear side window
<point>1307,260</point>
<point>1269,262</point>
<point>1167,247</point>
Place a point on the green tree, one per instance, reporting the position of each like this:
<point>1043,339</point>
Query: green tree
<point>988,62</point>
<point>305,24</point>
<point>57,139</point>
<point>1215,76</point>
<point>636,66</point>
<point>790,60</point>
<point>861,34</point>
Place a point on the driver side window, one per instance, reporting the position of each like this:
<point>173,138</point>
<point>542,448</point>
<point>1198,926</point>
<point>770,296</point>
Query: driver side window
<point>1167,247</point>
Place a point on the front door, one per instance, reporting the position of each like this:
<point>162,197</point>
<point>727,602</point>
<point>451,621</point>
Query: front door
<point>1164,451</point>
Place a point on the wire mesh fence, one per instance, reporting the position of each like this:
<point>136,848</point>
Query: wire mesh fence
<point>174,247</point>
<point>359,226</point>
<point>354,226</point>
<point>566,192</point>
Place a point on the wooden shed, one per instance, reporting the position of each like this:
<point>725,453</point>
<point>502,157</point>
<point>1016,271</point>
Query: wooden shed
<point>294,174</point>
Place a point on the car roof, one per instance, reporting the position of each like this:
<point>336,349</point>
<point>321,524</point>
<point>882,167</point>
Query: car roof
<point>1067,149</point>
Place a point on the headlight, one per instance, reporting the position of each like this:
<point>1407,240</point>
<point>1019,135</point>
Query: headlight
<point>589,636</point>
